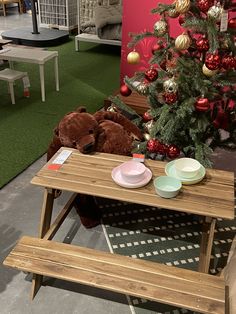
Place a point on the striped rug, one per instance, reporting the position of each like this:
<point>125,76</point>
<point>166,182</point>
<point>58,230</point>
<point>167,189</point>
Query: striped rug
<point>164,236</point>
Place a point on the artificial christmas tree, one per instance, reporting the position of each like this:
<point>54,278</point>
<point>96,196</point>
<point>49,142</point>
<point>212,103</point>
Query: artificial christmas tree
<point>191,82</point>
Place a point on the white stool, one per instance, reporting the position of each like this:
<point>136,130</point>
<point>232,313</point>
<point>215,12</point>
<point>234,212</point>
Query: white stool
<point>11,76</point>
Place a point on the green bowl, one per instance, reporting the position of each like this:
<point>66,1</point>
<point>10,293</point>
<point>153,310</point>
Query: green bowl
<point>167,187</point>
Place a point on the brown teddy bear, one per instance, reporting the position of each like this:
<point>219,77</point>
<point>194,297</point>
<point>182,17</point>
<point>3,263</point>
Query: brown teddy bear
<point>104,131</point>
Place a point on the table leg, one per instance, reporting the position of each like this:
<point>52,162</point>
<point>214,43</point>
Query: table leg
<point>42,83</point>
<point>45,221</point>
<point>56,73</point>
<point>208,229</point>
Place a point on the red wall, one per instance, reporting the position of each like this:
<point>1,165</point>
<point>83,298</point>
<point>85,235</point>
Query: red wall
<point>137,17</point>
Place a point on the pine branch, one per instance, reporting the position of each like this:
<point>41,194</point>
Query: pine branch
<point>162,8</point>
<point>212,31</point>
<point>135,38</point>
<point>196,24</point>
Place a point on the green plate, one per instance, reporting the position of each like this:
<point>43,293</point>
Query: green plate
<point>170,171</point>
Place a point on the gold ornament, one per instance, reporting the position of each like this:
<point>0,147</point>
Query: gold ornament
<point>173,13</point>
<point>147,136</point>
<point>182,42</point>
<point>133,57</point>
<point>208,72</point>
<point>215,12</point>
<point>142,88</point>
<point>170,86</point>
<point>182,6</point>
<point>160,28</point>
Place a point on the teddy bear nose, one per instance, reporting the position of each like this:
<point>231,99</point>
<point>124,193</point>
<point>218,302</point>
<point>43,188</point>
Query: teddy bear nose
<point>88,148</point>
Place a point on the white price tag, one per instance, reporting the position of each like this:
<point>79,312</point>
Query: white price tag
<point>26,81</point>
<point>224,21</point>
<point>61,158</point>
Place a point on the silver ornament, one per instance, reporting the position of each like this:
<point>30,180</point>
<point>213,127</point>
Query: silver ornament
<point>112,108</point>
<point>142,89</point>
<point>215,12</point>
<point>147,136</point>
<point>170,86</point>
<point>148,126</point>
<point>160,28</point>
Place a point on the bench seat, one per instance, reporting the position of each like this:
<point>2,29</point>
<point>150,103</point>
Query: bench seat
<point>157,282</point>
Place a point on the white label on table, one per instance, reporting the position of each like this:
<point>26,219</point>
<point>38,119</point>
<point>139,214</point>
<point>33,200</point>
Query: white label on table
<point>26,81</point>
<point>61,158</point>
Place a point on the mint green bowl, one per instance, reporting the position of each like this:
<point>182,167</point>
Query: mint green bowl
<point>167,187</point>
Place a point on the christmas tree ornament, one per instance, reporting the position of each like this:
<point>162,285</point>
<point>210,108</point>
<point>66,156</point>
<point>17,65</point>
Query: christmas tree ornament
<point>202,104</point>
<point>125,90</point>
<point>231,105</point>
<point>170,86</point>
<point>112,108</point>
<point>170,98</point>
<point>228,62</point>
<point>232,23</point>
<point>161,148</point>
<point>147,116</point>
<point>142,88</point>
<point>212,61</point>
<point>202,44</point>
<point>215,12</point>
<point>173,151</point>
<point>133,57</point>
<point>160,28</point>
<point>148,126</point>
<point>204,5</point>
<point>208,72</point>
<point>147,136</point>
<point>162,64</point>
<point>151,74</point>
<point>182,6</point>
<point>157,47</point>
<point>152,145</point>
<point>181,19</point>
<point>173,13</point>
<point>182,42</point>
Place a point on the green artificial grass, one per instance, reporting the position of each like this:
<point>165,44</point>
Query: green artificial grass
<point>86,78</point>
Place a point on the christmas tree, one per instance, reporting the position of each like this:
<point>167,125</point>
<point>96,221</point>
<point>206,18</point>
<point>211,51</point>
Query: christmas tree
<point>190,84</point>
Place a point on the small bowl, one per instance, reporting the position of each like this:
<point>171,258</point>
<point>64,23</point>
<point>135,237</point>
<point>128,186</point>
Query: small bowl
<point>132,171</point>
<point>167,187</point>
<point>187,167</point>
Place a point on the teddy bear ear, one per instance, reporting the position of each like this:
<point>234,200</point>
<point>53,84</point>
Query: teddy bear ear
<point>56,131</point>
<point>81,109</point>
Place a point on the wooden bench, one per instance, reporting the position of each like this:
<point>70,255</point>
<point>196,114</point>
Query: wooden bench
<point>157,282</point>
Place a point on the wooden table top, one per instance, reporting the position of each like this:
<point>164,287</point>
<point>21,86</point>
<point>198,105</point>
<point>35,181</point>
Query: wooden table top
<point>91,174</point>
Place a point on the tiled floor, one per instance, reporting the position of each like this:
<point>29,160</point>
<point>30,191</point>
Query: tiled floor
<point>20,204</point>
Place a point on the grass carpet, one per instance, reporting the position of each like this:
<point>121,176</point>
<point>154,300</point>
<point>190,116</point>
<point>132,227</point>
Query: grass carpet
<point>86,78</point>
<point>164,236</point>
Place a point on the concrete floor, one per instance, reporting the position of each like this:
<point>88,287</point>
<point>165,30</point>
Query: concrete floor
<point>19,215</point>
<point>20,204</point>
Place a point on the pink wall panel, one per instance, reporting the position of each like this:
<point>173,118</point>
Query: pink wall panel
<point>137,17</point>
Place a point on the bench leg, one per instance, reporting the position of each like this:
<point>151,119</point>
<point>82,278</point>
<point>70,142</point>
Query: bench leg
<point>208,229</point>
<point>45,221</point>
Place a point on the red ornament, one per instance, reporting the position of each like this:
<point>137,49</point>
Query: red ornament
<point>212,61</point>
<point>163,64</point>
<point>152,145</point>
<point>204,5</point>
<point>202,104</point>
<point>232,23</point>
<point>125,90</point>
<point>170,98</point>
<point>151,74</point>
<point>181,19</point>
<point>173,151</point>
<point>202,44</point>
<point>147,116</point>
<point>231,105</point>
<point>161,149</point>
<point>228,62</point>
<point>157,47</point>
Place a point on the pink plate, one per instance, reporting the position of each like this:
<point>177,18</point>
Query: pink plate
<point>116,176</point>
